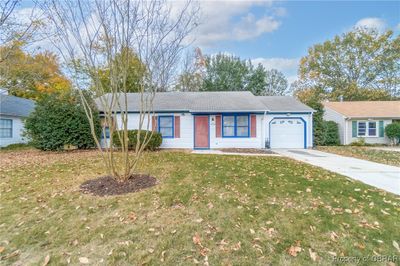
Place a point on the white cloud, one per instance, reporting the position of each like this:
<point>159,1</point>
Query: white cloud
<point>234,20</point>
<point>288,66</point>
<point>372,23</point>
<point>281,64</point>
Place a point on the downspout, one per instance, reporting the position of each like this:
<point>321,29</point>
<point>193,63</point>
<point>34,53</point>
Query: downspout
<point>265,131</point>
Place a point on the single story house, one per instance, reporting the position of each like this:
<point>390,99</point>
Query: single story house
<point>13,110</point>
<point>231,119</point>
<point>363,119</point>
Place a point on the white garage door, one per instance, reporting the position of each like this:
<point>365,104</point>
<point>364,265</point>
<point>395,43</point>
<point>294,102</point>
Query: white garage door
<point>287,133</point>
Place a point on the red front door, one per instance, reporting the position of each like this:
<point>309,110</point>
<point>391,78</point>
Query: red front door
<point>201,132</point>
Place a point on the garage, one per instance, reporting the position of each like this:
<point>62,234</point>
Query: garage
<point>287,133</point>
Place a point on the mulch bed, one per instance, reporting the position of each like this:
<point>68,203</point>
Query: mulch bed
<point>107,186</point>
<point>252,151</point>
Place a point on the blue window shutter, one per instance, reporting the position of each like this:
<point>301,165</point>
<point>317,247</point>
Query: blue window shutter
<point>381,130</point>
<point>354,129</point>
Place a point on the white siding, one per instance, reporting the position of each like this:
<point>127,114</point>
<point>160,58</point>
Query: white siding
<point>186,132</point>
<point>371,140</point>
<point>305,117</point>
<point>17,130</point>
<point>218,143</point>
<point>186,140</point>
<point>331,115</point>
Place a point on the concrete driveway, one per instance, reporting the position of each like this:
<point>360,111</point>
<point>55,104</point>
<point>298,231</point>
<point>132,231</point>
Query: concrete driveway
<point>382,176</point>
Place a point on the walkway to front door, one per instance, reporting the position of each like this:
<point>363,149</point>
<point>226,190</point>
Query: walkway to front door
<point>201,132</point>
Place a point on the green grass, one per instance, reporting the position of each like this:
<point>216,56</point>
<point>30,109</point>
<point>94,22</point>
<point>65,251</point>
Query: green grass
<point>366,153</point>
<point>17,147</point>
<point>226,200</point>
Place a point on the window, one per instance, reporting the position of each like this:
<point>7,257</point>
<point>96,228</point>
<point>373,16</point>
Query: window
<point>106,133</point>
<point>6,128</point>
<point>166,126</point>
<point>229,126</point>
<point>367,129</point>
<point>372,129</point>
<point>235,126</point>
<point>362,128</point>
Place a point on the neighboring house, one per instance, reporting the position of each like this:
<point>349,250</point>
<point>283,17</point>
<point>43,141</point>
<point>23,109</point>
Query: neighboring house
<point>212,120</point>
<point>12,112</point>
<point>363,119</point>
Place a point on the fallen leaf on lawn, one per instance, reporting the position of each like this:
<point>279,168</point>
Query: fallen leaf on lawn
<point>313,255</point>
<point>46,260</point>
<point>132,216</point>
<point>204,251</point>
<point>150,250</point>
<point>384,212</point>
<point>396,245</point>
<point>294,250</point>
<point>332,253</point>
<point>84,260</point>
<point>308,190</point>
<point>12,254</point>
<point>360,245</point>
<point>75,242</point>
<point>334,236</point>
<point>196,239</point>
<point>348,211</point>
<point>258,248</point>
<point>223,242</point>
<point>268,222</point>
<point>1,249</point>
<point>252,231</point>
<point>237,246</point>
<point>199,220</point>
<point>163,256</point>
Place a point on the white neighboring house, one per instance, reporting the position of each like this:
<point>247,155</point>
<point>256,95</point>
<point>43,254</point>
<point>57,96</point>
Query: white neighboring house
<point>13,110</point>
<point>229,119</point>
<point>363,119</point>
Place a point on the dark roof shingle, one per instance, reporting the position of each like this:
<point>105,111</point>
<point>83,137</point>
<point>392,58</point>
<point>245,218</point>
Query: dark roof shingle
<point>15,106</point>
<point>225,101</point>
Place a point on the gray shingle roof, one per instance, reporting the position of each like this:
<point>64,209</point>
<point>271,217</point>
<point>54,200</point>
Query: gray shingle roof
<point>226,101</point>
<point>284,104</point>
<point>15,106</point>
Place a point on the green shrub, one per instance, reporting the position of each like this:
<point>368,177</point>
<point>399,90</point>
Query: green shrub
<point>60,120</point>
<point>154,143</point>
<point>330,133</point>
<point>359,142</point>
<point>17,146</point>
<point>393,132</point>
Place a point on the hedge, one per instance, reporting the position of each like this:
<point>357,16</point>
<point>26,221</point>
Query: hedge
<point>154,142</point>
<point>331,133</point>
<point>60,120</point>
<point>393,132</point>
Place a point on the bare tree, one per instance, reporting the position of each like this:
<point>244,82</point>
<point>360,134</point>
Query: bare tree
<point>90,34</point>
<point>191,76</point>
<point>13,30</point>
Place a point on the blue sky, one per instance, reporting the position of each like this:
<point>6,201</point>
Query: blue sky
<point>278,33</point>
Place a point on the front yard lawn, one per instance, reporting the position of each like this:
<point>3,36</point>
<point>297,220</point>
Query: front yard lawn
<point>208,209</point>
<point>365,153</point>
